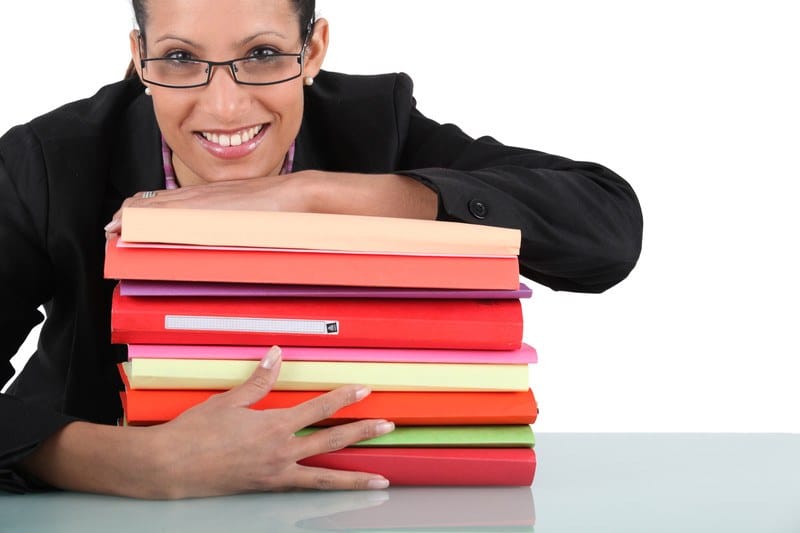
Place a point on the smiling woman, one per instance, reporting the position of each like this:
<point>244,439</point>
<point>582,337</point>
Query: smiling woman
<point>227,106</point>
<point>234,119</point>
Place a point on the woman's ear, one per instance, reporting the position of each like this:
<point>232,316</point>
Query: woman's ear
<point>316,48</point>
<point>136,53</point>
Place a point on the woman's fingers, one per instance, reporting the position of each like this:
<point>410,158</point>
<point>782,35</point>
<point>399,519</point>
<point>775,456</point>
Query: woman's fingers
<point>338,437</point>
<point>258,384</point>
<point>325,405</point>
<point>140,199</point>
<point>307,477</point>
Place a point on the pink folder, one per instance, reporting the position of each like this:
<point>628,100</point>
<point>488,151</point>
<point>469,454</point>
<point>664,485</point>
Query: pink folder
<point>525,355</point>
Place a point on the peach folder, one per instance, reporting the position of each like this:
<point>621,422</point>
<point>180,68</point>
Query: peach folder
<point>525,355</point>
<point>315,231</point>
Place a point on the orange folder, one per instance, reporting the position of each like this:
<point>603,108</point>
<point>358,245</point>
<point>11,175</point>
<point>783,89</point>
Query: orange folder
<point>147,407</point>
<point>354,322</point>
<point>311,268</point>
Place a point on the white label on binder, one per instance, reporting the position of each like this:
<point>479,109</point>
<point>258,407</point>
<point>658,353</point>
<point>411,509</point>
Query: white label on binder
<point>251,325</point>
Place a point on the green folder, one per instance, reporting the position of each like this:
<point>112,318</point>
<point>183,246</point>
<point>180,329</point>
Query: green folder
<point>517,436</point>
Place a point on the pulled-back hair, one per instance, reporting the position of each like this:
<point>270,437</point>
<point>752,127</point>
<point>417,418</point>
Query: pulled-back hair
<point>303,8</point>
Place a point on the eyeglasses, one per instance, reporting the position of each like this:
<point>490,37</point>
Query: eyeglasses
<point>187,73</point>
<point>269,68</point>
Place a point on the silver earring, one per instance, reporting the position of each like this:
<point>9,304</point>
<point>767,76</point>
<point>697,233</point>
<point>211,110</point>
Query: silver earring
<point>308,81</point>
<point>148,92</point>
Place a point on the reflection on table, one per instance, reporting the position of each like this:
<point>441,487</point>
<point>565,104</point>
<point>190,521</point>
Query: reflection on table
<point>404,508</point>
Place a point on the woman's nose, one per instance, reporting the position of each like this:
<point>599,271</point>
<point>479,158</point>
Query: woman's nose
<point>223,98</point>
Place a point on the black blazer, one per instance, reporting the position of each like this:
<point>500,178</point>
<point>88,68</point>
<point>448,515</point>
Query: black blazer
<point>63,175</point>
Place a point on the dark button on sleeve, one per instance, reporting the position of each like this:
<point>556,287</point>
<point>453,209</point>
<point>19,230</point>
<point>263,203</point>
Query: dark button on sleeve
<point>478,209</point>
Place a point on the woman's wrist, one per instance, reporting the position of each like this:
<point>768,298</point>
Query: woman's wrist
<point>390,195</point>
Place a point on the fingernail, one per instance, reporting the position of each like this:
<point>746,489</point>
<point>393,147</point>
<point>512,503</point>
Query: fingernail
<point>377,484</point>
<point>112,226</point>
<point>362,393</point>
<point>271,358</point>
<point>384,427</point>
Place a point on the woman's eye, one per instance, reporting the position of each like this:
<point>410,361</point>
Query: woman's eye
<point>179,55</point>
<point>263,53</point>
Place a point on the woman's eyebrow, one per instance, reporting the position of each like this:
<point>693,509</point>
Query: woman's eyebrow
<point>255,36</point>
<point>241,43</point>
<point>168,37</point>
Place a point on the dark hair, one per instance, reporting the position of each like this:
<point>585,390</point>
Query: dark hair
<point>303,8</point>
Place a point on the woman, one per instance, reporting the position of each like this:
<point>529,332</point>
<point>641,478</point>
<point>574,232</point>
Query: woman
<point>229,107</point>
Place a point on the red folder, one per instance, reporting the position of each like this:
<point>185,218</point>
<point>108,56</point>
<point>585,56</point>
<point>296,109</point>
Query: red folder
<point>436,466</point>
<point>146,407</point>
<point>311,268</point>
<point>381,323</point>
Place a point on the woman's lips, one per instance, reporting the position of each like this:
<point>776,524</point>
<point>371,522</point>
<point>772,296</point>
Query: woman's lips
<point>232,145</point>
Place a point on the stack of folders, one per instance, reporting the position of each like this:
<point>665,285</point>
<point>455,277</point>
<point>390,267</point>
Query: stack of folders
<point>425,313</point>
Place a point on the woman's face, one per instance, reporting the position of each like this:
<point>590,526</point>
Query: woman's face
<point>198,123</point>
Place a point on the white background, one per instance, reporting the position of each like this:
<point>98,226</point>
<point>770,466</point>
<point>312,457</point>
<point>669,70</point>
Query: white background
<point>694,102</point>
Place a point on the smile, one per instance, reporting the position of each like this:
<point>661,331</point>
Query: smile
<point>233,139</point>
<point>232,144</point>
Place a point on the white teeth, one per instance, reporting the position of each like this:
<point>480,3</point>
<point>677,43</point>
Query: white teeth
<point>235,139</point>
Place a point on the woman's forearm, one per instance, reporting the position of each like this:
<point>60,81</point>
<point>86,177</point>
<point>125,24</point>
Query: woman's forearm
<point>314,191</point>
<point>103,459</point>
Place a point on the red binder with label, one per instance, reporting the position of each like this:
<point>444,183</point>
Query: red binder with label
<point>382,323</point>
<point>436,466</point>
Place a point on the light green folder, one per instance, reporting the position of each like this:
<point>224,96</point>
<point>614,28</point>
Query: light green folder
<point>517,436</point>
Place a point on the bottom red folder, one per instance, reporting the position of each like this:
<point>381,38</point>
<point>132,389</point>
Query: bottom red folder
<point>145,407</point>
<point>436,466</point>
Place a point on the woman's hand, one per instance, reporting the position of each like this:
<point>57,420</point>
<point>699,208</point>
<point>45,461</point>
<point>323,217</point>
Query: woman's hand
<point>218,447</point>
<point>221,446</point>
<point>290,192</point>
<point>308,191</point>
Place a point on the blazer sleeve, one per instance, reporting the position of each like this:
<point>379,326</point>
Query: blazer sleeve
<point>581,223</point>
<point>26,277</point>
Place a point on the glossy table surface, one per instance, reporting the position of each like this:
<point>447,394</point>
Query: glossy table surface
<point>584,482</point>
